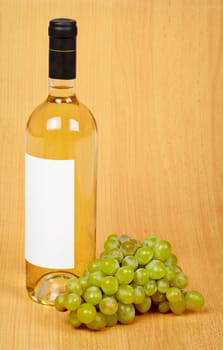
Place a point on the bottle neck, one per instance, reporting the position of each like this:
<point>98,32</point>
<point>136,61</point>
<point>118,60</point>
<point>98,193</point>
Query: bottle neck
<point>62,58</point>
<point>61,87</point>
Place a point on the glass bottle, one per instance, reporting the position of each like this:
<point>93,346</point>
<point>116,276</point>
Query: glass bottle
<point>60,176</point>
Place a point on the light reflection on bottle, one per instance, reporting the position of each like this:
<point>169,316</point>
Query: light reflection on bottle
<point>74,125</point>
<point>53,123</point>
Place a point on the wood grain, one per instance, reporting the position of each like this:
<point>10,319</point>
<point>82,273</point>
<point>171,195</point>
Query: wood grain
<point>152,73</point>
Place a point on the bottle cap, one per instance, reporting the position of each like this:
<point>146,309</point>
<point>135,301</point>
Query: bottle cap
<point>62,28</point>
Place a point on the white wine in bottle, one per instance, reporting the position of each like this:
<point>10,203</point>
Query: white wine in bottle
<point>60,176</point>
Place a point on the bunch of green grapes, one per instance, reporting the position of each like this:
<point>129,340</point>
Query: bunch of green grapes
<point>129,278</point>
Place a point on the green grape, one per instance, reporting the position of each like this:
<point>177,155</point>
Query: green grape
<point>144,255</point>
<point>93,295</point>
<point>178,307</point>
<point>128,248</point>
<point>124,238</point>
<point>72,301</point>
<point>111,320</point>
<point>113,236</point>
<point>95,278</point>
<point>173,295</point>
<point>163,307</point>
<point>194,299</point>
<point>86,273</point>
<point>109,266</point>
<point>125,294</point>
<point>170,273</point>
<point>126,313</point>
<point>84,282</point>
<point>94,265</point>
<point>180,280</point>
<point>73,319</point>
<point>150,241</point>
<point>86,313</point>
<point>163,285</point>
<point>109,285</point>
<point>177,268</point>
<point>150,288</point>
<point>139,293</point>
<point>125,274</point>
<point>156,269</point>
<point>104,255</point>
<point>145,306</point>
<point>111,243</point>
<point>98,323</point>
<point>73,286</point>
<point>136,242</point>
<point>162,250</point>
<point>130,260</point>
<point>108,305</point>
<point>158,297</point>
<point>141,276</point>
<point>172,260</point>
<point>59,302</point>
<point>115,253</point>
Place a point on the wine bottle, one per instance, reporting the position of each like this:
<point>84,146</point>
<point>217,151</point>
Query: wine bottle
<point>60,176</point>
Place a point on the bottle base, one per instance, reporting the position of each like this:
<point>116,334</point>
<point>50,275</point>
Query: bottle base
<point>49,287</point>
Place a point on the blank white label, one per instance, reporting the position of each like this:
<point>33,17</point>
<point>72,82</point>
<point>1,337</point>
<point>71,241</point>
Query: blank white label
<point>49,212</point>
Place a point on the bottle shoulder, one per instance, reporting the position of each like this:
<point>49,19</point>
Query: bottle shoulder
<point>61,115</point>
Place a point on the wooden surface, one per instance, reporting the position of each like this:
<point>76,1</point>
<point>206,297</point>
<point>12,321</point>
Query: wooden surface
<point>152,73</point>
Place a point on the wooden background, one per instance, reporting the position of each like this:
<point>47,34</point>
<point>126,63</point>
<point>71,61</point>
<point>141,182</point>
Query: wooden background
<point>152,73</point>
